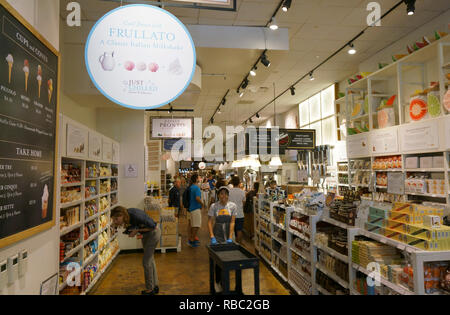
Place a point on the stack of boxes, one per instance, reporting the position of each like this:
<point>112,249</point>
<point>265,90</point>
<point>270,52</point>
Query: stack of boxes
<point>169,228</point>
<point>157,209</point>
<point>371,254</point>
<point>416,225</point>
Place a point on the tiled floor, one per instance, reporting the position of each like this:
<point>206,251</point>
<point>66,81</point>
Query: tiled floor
<point>184,273</point>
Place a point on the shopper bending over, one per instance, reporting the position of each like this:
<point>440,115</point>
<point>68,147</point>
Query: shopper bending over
<point>136,221</point>
<point>195,211</point>
<point>222,217</point>
<point>237,196</point>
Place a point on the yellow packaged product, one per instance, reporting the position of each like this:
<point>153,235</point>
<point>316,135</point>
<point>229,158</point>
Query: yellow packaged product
<point>422,244</point>
<point>393,234</point>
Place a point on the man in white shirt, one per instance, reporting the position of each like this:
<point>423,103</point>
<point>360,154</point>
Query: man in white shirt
<point>237,196</point>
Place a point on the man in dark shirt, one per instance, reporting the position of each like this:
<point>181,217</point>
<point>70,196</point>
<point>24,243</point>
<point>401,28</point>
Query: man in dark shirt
<point>175,197</point>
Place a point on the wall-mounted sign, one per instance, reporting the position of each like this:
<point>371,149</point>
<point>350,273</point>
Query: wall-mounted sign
<point>358,145</point>
<point>215,2</point>
<point>115,152</point>
<point>171,128</point>
<point>77,141</point>
<point>384,141</point>
<point>419,136</point>
<point>107,149</point>
<point>140,56</point>
<point>169,144</point>
<point>95,146</point>
<point>28,119</point>
<point>287,139</point>
<point>131,170</point>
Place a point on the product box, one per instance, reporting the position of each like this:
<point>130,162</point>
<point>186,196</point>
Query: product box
<point>438,162</point>
<point>374,228</point>
<point>426,162</point>
<point>393,234</point>
<point>377,212</point>
<point>169,240</point>
<point>169,228</point>
<point>375,220</point>
<point>394,226</point>
<point>412,162</point>
<point>422,244</point>
<point>155,215</point>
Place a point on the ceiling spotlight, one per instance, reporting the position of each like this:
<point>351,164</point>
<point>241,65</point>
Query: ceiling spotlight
<point>219,111</point>
<point>352,49</point>
<point>257,115</point>
<point>251,121</point>
<point>242,94</point>
<point>245,84</point>
<point>253,72</point>
<point>170,111</point>
<point>292,90</point>
<point>273,25</point>
<point>410,6</point>
<point>212,121</point>
<point>224,101</point>
<point>286,5</point>
<point>265,61</point>
<point>311,76</point>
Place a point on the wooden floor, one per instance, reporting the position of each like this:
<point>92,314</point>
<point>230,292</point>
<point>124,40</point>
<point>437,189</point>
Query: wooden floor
<point>184,273</point>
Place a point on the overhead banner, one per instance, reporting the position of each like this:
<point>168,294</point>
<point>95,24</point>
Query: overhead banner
<point>140,56</point>
<point>171,128</point>
<point>213,2</point>
<point>286,139</point>
<point>29,72</point>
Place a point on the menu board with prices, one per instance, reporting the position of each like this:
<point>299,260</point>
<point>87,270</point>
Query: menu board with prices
<point>28,120</point>
<point>269,140</point>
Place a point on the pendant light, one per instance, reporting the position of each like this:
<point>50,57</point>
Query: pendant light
<point>352,49</point>
<point>273,24</point>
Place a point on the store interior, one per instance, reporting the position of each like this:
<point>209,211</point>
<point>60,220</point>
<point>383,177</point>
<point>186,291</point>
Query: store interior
<point>371,196</point>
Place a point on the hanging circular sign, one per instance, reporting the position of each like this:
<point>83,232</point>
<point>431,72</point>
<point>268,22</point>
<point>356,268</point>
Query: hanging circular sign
<point>202,165</point>
<point>140,56</point>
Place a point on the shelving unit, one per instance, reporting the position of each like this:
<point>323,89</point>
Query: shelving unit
<point>296,274</point>
<point>94,203</point>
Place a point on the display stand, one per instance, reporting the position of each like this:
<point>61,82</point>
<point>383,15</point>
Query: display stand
<point>295,275</point>
<point>88,182</point>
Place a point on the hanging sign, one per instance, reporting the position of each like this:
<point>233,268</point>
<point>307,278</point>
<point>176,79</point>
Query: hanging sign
<point>140,56</point>
<point>287,139</point>
<point>169,144</point>
<point>29,72</point>
<point>170,128</point>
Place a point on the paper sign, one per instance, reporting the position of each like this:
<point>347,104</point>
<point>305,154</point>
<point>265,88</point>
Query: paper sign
<point>131,171</point>
<point>396,183</point>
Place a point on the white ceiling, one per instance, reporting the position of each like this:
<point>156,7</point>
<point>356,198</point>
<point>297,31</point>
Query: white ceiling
<point>316,29</point>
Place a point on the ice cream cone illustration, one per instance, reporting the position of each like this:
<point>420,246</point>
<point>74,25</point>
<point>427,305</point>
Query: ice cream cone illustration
<point>10,61</point>
<point>45,196</point>
<point>50,90</point>
<point>39,79</point>
<point>26,70</point>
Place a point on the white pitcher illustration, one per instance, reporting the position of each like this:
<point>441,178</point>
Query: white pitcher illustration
<point>107,61</point>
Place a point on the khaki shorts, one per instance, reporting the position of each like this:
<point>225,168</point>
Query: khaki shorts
<point>196,218</point>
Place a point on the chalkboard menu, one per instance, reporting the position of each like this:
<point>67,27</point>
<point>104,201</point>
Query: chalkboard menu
<point>285,139</point>
<point>28,119</point>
